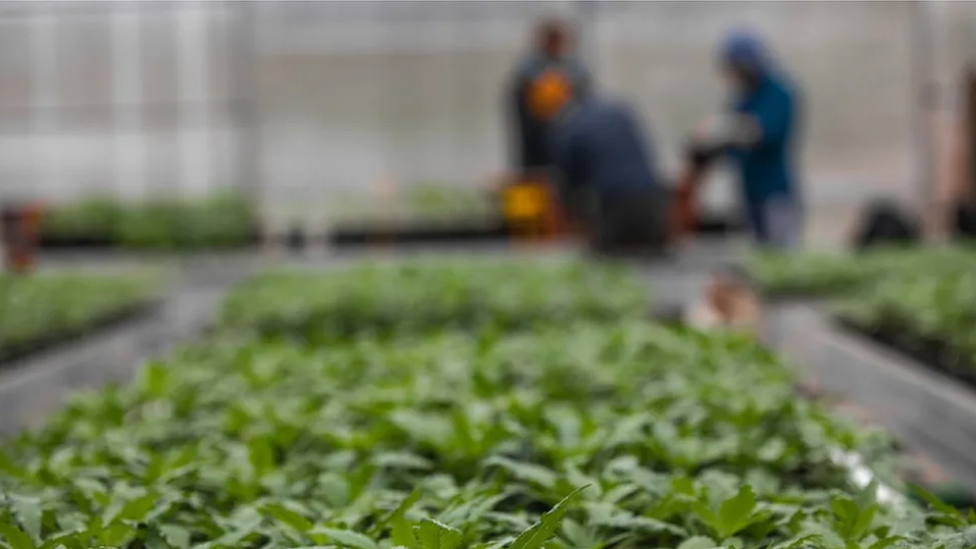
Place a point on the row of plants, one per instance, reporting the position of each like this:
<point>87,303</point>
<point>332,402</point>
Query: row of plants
<point>921,301</point>
<point>826,274</point>
<point>418,202</point>
<point>222,220</point>
<point>930,316</point>
<point>570,432</point>
<point>393,299</point>
<point>42,309</point>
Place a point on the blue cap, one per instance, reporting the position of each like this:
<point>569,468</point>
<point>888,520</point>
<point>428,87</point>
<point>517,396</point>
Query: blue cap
<point>743,47</point>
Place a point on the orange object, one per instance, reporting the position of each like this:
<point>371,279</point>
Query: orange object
<point>531,207</point>
<point>550,92</point>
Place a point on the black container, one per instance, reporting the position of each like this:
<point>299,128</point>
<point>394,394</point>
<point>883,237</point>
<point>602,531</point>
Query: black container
<point>418,233</point>
<point>76,242</point>
<point>296,239</point>
<point>83,242</point>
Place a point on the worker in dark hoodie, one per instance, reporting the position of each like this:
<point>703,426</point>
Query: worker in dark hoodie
<point>551,60</point>
<point>759,133</point>
<point>600,150</point>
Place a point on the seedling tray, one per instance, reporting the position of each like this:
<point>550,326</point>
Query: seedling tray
<point>12,353</point>
<point>929,352</point>
<point>77,242</point>
<point>35,385</point>
<point>925,409</point>
<point>419,232</point>
<point>102,242</point>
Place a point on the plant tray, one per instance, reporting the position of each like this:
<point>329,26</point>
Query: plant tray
<point>929,352</point>
<point>418,233</point>
<point>925,409</point>
<point>52,341</point>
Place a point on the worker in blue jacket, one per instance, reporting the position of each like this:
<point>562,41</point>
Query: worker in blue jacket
<point>759,134</point>
<point>605,169</point>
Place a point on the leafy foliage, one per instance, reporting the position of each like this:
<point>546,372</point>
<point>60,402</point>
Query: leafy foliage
<point>578,433</point>
<point>935,308</point>
<point>393,298</point>
<point>429,201</point>
<point>839,274</point>
<point>219,221</point>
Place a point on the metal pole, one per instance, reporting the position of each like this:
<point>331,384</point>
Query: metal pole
<point>128,136</point>
<point>925,98</point>
<point>249,125</point>
<point>586,11</point>
<point>44,96</point>
<point>194,93</point>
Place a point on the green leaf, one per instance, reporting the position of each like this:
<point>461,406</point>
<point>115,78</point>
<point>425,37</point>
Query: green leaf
<point>139,508</point>
<point>29,512</point>
<point>14,536</point>
<point>434,535</point>
<point>261,456</point>
<point>347,538</point>
<point>401,531</point>
<point>945,513</point>
<point>886,542</point>
<point>697,542</point>
<point>528,472</point>
<point>541,531</point>
<point>335,488</point>
<point>175,536</point>
<point>68,541</point>
<point>797,541</point>
<point>287,516</point>
<point>734,512</point>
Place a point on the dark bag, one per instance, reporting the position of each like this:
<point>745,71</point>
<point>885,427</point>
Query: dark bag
<point>964,225</point>
<point>885,222</point>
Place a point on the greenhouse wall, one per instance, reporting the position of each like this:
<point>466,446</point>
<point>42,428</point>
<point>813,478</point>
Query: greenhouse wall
<point>300,100</point>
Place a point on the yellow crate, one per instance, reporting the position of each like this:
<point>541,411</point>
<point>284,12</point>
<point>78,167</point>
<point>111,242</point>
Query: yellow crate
<point>525,201</point>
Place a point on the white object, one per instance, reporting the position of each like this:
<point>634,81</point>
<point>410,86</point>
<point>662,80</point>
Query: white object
<point>726,128</point>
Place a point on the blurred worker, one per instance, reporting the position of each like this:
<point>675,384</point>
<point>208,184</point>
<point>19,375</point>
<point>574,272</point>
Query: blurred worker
<point>599,149</point>
<point>759,135</point>
<point>551,60</point>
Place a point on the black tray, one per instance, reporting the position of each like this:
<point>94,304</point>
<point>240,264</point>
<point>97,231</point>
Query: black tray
<point>78,242</point>
<point>50,341</point>
<point>929,352</point>
<point>414,233</point>
<point>91,243</point>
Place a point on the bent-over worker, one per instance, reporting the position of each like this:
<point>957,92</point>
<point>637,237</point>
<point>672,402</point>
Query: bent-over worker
<point>599,150</point>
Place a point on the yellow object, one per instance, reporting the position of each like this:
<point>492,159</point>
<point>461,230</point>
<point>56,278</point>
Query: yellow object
<point>550,92</point>
<point>525,202</point>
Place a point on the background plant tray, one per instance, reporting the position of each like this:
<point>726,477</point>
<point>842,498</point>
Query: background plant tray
<point>80,242</point>
<point>418,232</point>
<point>35,385</point>
<point>50,341</point>
<point>85,242</point>
<point>926,410</point>
<point>927,351</point>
